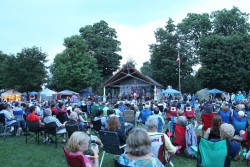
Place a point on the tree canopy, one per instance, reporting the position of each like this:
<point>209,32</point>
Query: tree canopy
<point>102,43</point>
<point>26,71</point>
<point>75,68</point>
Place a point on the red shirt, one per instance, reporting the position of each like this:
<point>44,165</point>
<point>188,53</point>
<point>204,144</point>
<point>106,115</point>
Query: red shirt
<point>32,117</point>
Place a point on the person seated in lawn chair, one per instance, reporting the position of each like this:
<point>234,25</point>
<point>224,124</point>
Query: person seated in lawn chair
<point>157,115</point>
<point>214,131</point>
<point>240,124</point>
<point>145,113</point>
<point>172,111</point>
<point>189,111</point>
<point>49,118</point>
<point>161,145</point>
<point>74,120</point>
<point>225,114</point>
<point>79,143</point>
<point>33,117</point>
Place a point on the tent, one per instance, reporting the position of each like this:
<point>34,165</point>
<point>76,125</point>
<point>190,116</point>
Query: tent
<point>12,95</point>
<point>215,91</point>
<point>170,91</point>
<point>203,94</point>
<point>47,94</point>
<point>67,93</point>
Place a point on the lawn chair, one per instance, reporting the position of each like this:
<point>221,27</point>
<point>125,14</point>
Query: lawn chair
<point>179,135</point>
<point>51,130</point>
<point>129,116</point>
<point>189,112</point>
<point>4,126</point>
<point>158,149</point>
<point>111,144</point>
<point>117,164</point>
<point>96,126</point>
<point>33,129</point>
<point>206,119</point>
<point>212,153</point>
<point>73,160</point>
<point>70,129</point>
<point>172,112</point>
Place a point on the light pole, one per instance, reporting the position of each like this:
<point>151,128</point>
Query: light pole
<point>179,64</point>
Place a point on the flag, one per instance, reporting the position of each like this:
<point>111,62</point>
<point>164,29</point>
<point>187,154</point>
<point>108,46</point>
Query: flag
<point>178,60</point>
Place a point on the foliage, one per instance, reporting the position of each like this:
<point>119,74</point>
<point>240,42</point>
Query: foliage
<point>164,54</point>
<point>3,58</point>
<point>74,68</point>
<point>146,69</point>
<point>225,62</point>
<point>26,71</point>
<point>103,45</point>
<point>191,84</point>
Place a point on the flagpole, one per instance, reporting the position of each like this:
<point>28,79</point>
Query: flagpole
<point>178,45</point>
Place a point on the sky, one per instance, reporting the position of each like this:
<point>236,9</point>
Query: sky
<point>45,23</point>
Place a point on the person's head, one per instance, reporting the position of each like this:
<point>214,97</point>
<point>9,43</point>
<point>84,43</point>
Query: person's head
<point>53,105</point>
<point>227,131</point>
<point>225,108</point>
<point>147,106</point>
<point>138,142</point>
<point>182,120</point>
<point>99,113</point>
<point>241,114</point>
<point>113,123</point>
<point>152,124</point>
<point>61,105</point>
<point>73,116</point>
<point>156,110</point>
<point>216,121</point>
<point>32,109</point>
<point>77,110</point>
<point>111,111</point>
<point>78,141</point>
<point>48,112</point>
<point>17,104</point>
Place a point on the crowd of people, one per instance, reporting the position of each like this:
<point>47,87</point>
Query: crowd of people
<point>229,122</point>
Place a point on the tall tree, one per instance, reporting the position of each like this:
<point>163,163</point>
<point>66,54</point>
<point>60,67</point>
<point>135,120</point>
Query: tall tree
<point>26,71</point>
<point>164,54</point>
<point>103,45</point>
<point>226,51</point>
<point>74,68</point>
<point>146,69</point>
<point>3,58</point>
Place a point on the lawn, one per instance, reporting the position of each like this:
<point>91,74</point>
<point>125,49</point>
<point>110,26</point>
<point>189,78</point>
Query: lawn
<point>15,152</point>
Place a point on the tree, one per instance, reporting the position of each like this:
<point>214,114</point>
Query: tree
<point>74,68</point>
<point>3,58</point>
<point>164,54</point>
<point>26,71</point>
<point>103,45</point>
<point>146,69</point>
<point>225,52</point>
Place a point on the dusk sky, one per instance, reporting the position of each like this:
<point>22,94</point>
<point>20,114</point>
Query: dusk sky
<point>45,23</point>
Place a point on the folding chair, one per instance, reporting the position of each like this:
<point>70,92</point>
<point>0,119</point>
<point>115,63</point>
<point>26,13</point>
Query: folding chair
<point>70,129</point>
<point>123,127</point>
<point>5,126</point>
<point>51,130</point>
<point>158,149</point>
<point>62,117</point>
<point>96,126</point>
<point>238,126</point>
<point>172,112</point>
<point>206,119</point>
<point>212,153</point>
<point>179,135</point>
<point>129,116</point>
<point>111,144</point>
<point>189,112</point>
<point>32,128</point>
<point>73,160</point>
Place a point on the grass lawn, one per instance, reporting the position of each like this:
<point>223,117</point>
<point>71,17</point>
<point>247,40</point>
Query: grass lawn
<point>15,152</point>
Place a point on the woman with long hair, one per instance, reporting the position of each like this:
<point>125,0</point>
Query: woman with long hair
<point>214,131</point>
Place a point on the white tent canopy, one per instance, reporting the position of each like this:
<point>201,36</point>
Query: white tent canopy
<point>47,94</point>
<point>67,92</point>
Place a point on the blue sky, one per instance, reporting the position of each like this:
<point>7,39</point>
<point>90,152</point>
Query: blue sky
<point>45,23</point>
